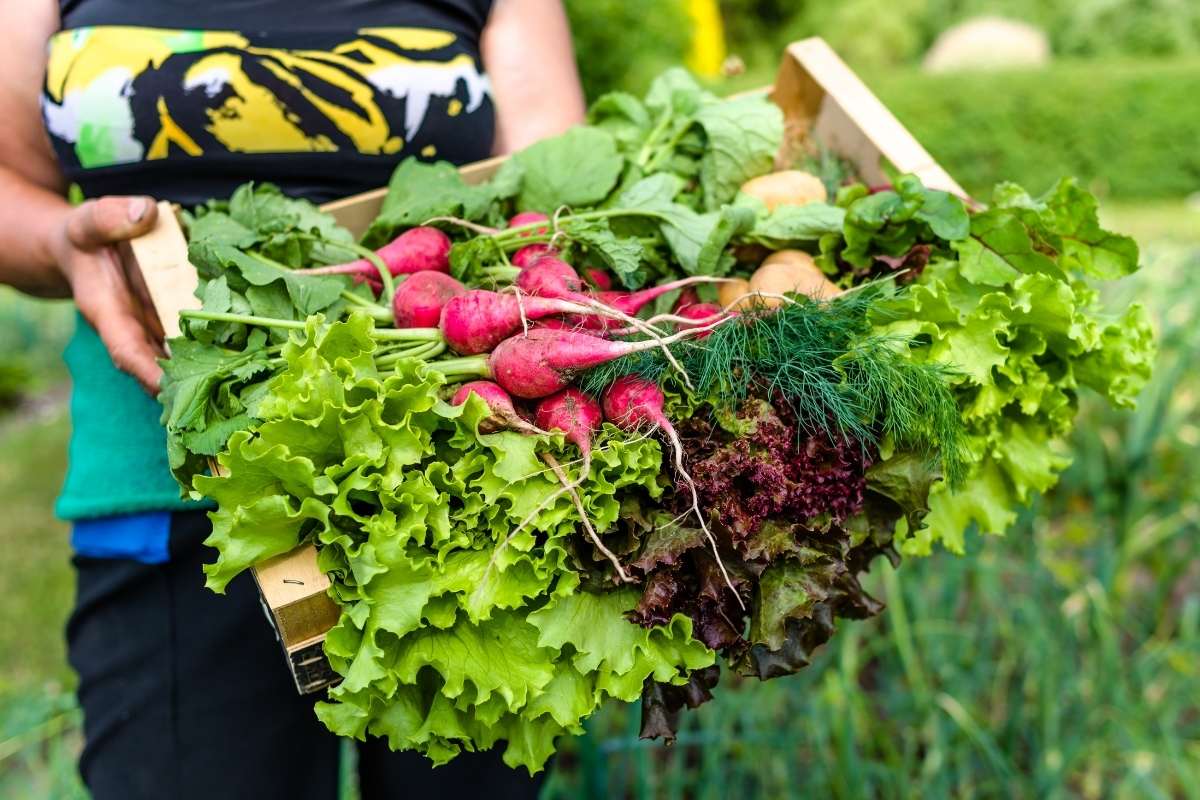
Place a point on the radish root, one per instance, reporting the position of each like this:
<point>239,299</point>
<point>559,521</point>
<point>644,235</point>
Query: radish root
<point>547,501</point>
<point>587,523</point>
<point>677,446</point>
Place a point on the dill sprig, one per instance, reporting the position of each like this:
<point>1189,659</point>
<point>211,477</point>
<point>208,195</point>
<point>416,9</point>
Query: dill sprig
<point>823,361</point>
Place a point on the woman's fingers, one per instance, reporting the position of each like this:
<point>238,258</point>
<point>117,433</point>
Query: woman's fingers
<point>106,301</point>
<point>108,220</point>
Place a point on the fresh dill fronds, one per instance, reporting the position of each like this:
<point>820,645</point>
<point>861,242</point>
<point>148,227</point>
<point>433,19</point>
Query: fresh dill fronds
<point>823,361</point>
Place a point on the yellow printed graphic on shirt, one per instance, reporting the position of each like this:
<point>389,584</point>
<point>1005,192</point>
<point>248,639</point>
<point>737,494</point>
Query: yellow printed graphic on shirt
<point>120,95</point>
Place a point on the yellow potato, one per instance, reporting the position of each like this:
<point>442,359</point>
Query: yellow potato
<point>731,290</point>
<point>789,188</point>
<point>790,271</point>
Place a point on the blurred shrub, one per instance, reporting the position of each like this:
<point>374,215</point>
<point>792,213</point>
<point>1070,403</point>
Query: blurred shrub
<point>14,380</point>
<point>623,44</point>
<point>32,336</point>
<point>1129,27</point>
<point>867,33</point>
<point>874,33</point>
<point>1128,129</point>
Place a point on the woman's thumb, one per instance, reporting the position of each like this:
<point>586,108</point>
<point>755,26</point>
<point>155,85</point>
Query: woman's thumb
<point>110,219</point>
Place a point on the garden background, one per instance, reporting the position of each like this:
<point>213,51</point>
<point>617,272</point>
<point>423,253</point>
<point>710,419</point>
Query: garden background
<point>1062,660</point>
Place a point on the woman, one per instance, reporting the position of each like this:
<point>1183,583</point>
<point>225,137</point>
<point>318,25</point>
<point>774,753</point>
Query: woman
<point>184,693</point>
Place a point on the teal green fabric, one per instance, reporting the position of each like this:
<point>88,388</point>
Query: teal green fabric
<point>118,453</point>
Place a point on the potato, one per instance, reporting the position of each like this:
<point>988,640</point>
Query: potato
<point>791,271</point>
<point>789,188</point>
<point>731,290</point>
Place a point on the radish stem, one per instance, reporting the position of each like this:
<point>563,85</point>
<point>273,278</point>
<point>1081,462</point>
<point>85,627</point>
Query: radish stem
<point>467,366</point>
<point>245,319</point>
<point>374,310</point>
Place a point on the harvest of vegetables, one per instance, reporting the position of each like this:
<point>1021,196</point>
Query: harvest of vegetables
<point>641,407</point>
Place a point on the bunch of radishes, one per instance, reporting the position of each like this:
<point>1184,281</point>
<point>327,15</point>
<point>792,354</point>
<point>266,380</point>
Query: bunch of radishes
<point>537,334</point>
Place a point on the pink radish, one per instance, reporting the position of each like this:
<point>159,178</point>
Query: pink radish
<point>419,299</point>
<point>633,302</point>
<point>633,403</point>
<point>477,321</point>
<point>504,415</point>
<point>550,276</point>
<point>575,414</point>
<point>701,313</point>
<point>579,417</point>
<point>542,362</point>
<point>529,218</point>
<point>687,297</point>
<point>415,250</point>
<point>531,253</point>
<point>598,278</point>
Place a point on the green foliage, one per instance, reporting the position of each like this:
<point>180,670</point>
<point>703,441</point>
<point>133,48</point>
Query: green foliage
<point>33,334</point>
<point>873,34</point>
<point>623,44</point>
<point>459,628</point>
<point>1126,129</point>
<point>821,360</point>
<point>1074,676</point>
<point>1017,316</point>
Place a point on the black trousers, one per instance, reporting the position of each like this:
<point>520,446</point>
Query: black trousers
<point>185,694</point>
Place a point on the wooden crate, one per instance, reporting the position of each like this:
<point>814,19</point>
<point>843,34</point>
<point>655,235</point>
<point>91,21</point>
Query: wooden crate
<point>818,94</point>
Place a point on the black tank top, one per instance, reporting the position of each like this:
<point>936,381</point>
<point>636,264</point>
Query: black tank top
<point>186,99</point>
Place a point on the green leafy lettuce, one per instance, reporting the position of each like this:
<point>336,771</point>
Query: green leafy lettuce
<point>1012,308</point>
<point>458,629</point>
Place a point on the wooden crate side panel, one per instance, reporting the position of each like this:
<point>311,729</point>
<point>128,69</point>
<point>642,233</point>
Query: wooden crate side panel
<point>160,256</point>
<point>821,95</point>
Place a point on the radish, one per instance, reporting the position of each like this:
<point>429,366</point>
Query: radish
<point>701,313</point>
<point>415,250</point>
<point>542,362</point>
<point>553,277</point>
<point>531,253</point>
<point>687,297</point>
<point>598,278</point>
<point>632,403</point>
<point>633,302</point>
<point>575,414</point>
<point>475,322</point>
<point>504,415</point>
<point>529,218</point>
<point>579,417</point>
<point>550,276</point>
<point>419,299</point>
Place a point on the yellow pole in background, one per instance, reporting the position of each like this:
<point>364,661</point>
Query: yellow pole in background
<point>707,53</point>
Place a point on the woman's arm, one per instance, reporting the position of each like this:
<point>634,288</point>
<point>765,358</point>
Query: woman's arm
<point>528,57</point>
<point>48,248</point>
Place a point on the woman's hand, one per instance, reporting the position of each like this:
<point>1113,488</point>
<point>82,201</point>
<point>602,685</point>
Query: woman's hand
<point>111,299</point>
<point>48,248</point>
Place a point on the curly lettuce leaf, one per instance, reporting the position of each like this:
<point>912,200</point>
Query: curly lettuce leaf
<point>1018,320</point>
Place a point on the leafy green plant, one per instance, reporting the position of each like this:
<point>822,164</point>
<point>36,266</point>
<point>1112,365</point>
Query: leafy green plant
<point>623,44</point>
